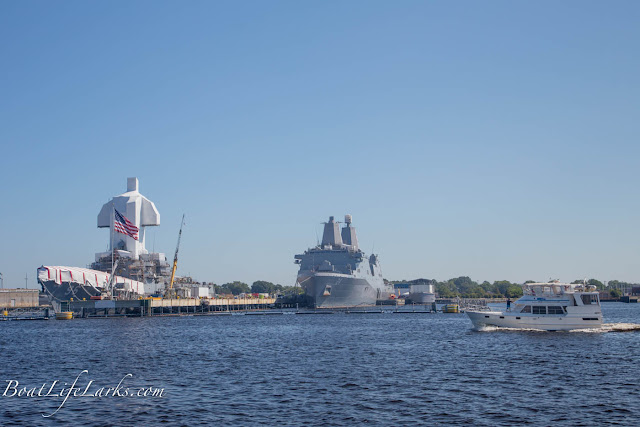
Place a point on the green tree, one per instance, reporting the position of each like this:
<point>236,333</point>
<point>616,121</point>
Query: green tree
<point>262,287</point>
<point>513,291</point>
<point>487,287</point>
<point>446,289</point>
<point>502,286</point>
<point>598,284</point>
<point>464,284</point>
<point>460,286</point>
<point>292,290</point>
<point>235,288</point>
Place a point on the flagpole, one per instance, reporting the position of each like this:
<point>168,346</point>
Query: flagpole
<point>113,208</point>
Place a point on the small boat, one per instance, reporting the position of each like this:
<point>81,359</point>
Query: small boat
<point>551,306</point>
<point>451,308</point>
<point>64,315</point>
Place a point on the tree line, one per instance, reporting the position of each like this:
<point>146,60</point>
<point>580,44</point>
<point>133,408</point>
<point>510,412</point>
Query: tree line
<point>258,287</point>
<point>464,287</point>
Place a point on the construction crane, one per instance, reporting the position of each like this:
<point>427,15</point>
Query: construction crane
<point>175,258</point>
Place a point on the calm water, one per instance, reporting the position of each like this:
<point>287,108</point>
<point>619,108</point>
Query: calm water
<point>324,369</point>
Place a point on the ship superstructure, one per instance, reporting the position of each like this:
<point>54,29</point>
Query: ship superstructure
<point>134,260</point>
<point>337,273</point>
<point>127,270</point>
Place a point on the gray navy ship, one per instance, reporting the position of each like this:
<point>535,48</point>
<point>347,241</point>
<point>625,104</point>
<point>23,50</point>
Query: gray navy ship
<point>337,274</point>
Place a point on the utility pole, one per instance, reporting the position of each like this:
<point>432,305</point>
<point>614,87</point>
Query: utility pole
<point>26,281</point>
<point>1,281</point>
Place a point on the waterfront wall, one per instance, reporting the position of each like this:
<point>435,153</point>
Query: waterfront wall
<point>19,298</point>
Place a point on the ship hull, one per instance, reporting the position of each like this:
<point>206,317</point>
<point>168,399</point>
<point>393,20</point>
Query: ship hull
<point>63,283</point>
<point>65,291</point>
<point>340,291</point>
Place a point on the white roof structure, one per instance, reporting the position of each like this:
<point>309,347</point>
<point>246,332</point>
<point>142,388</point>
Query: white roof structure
<point>86,277</point>
<point>137,209</point>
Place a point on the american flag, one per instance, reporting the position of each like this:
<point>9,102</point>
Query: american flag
<point>124,226</point>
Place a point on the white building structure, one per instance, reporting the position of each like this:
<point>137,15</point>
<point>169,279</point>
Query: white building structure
<point>136,208</point>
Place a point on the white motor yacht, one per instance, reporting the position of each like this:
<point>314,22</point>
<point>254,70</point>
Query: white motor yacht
<point>551,306</point>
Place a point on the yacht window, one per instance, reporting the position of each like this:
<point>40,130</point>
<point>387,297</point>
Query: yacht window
<point>526,309</point>
<point>539,309</point>
<point>586,299</point>
<point>555,309</point>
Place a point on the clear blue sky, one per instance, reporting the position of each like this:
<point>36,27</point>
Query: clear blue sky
<point>496,139</point>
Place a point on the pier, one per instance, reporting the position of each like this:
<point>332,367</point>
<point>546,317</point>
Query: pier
<point>150,307</point>
<point>162,307</point>
<point>21,304</point>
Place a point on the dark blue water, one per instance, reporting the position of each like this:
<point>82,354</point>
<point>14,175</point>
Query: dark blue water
<point>335,369</point>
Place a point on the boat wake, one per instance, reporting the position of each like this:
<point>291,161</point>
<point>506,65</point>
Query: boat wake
<point>611,327</point>
<point>606,327</point>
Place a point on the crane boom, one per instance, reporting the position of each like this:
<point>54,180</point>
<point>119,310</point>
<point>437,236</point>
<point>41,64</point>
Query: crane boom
<point>175,258</point>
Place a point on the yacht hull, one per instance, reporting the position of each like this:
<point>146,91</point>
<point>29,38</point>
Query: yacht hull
<point>547,322</point>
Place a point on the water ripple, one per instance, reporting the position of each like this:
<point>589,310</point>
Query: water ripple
<point>328,370</point>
